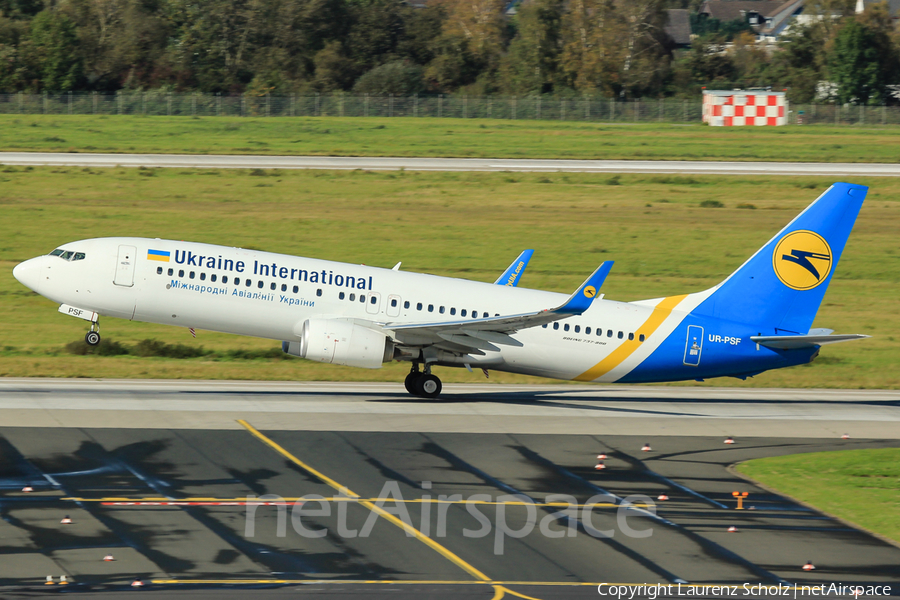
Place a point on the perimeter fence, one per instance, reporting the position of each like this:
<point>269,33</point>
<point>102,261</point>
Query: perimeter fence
<point>454,107</point>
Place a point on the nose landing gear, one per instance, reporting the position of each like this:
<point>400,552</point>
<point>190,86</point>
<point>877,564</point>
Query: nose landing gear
<point>92,337</point>
<point>424,385</point>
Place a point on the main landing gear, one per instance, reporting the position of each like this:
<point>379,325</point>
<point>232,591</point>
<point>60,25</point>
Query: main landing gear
<point>422,384</point>
<point>92,337</point>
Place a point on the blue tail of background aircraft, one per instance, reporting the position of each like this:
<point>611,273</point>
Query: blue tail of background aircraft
<point>780,288</point>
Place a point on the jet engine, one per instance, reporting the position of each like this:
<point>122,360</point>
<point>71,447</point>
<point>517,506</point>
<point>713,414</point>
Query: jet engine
<point>341,343</point>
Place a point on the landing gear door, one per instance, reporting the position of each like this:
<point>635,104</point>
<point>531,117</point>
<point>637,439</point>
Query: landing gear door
<point>693,346</point>
<point>125,266</point>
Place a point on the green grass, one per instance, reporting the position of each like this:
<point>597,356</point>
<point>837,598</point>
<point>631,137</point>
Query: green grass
<point>445,137</point>
<point>860,486</point>
<point>468,225</point>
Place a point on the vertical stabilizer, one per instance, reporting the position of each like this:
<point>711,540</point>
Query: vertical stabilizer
<point>780,289</point>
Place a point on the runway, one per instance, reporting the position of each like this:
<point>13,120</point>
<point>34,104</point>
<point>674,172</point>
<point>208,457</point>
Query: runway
<point>159,475</point>
<point>448,164</point>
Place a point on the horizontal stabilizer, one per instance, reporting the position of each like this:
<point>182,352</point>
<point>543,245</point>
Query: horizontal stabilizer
<point>795,342</point>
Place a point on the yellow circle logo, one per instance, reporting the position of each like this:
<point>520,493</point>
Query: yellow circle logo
<point>590,291</point>
<point>802,260</point>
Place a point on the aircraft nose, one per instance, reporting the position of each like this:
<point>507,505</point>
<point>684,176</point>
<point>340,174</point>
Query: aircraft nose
<point>28,273</point>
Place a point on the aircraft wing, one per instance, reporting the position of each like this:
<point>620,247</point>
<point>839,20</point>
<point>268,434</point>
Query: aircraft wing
<point>481,333</point>
<point>794,342</point>
<point>513,272</point>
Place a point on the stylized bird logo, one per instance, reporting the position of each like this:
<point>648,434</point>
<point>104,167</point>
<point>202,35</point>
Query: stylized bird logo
<point>590,291</point>
<point>801,257</point>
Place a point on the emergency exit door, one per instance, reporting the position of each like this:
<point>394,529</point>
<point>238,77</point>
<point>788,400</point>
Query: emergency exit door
<point>125,266</point>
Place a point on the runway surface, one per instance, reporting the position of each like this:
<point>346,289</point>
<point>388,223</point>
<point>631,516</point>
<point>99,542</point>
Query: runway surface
<point>449,164</point>
<point>159,474</point>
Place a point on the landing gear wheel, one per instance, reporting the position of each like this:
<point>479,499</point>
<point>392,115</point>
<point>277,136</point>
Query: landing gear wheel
<point>410,382</point>
<point>92,338</point>
<point>428,386</point>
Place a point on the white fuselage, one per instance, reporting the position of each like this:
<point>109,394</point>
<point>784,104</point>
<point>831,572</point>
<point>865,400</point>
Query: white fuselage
<point>261,294</point>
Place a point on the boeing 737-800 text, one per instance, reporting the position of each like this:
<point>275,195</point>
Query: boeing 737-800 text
<point>758,319</point>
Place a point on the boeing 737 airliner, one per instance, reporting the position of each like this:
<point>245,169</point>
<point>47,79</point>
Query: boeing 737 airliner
<point>758,319</point>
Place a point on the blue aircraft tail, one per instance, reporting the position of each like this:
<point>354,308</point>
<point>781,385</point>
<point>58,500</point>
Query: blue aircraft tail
<point>780,288</point>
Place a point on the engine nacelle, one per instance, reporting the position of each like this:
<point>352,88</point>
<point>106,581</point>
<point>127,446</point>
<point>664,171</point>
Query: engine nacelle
<point>341,343</point>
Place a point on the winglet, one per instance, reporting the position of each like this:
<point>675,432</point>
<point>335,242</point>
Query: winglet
<point>513,272</point>
<point>581,300</point>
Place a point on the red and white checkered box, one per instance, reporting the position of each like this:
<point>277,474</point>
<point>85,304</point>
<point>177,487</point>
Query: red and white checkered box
<point>742,108</point>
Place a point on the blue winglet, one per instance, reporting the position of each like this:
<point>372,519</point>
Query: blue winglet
<point>513,272</point>
<point>581,300</point>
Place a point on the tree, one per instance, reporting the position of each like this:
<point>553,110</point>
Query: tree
<point>862,63</point>
<point>531,64</point>
<point>56,45</point>
<point>398,78</point>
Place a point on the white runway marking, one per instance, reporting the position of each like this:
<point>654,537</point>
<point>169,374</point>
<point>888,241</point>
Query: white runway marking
<point>449,164</point>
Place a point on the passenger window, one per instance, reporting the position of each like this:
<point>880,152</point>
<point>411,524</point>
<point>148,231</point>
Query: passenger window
<point>441,310</point>
<point>212,277</point>
<point>393,302</point>
<point>452,311</point>
<point>259,284</point>
<point>620,335</point>
<point>556,326</point>
<point>248,283</point>
<point>224,278</point>
<point>273,286</point>
<point>630,336</point>
<point>283,287</point>
<point>462,313</point>
<point>587,331</point>
<point>181,272</point>
<point>641,338</point>
<point>191,275</point>
<point>418,306</point>
<point>202,276</point>
<point>474,314</point>
<point>431,308</point>
<point>544,326</point>
<point>159,270</point>
<point>373,300</point>
<point>578,329</point>
<point>352,297</point>
<point>609,333</point>
<point>566,327</point>
<point>406,304</point>
<point>319,292</point>
<point>341,296</point>
<point>171,272</point>
<point>362,298</point>
<point>296,288</point>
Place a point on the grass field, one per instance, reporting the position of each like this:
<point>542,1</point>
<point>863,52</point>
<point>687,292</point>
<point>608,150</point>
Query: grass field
<point>468,225</point>
<point>445,137</point>
<point>860,486</point>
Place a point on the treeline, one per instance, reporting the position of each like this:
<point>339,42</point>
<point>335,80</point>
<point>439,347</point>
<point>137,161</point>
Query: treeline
<point>610,48</point>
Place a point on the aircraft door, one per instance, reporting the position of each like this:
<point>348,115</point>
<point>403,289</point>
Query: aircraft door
<point>125,266</point>
<point>393,306</point>
<point>693,346</point>
<point>373,303</point>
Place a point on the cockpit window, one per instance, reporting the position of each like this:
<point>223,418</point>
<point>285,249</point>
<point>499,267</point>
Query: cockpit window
<point>67,254</point>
